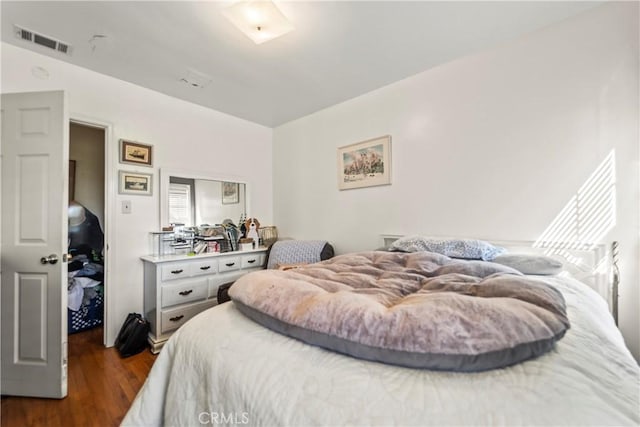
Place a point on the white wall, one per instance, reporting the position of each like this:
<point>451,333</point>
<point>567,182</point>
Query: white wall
<point>86,147</point>
<point>184,136</point>
<point>491,145</point>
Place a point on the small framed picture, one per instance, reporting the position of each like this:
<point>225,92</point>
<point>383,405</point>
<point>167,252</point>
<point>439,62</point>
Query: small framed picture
<point>135,183</point>
<point>230,193</point>
<point>365,164</point>
<point>135,153</point>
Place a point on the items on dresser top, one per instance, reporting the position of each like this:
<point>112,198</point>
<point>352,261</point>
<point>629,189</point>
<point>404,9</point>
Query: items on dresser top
<point>177,287</point>
<point>181,240</point>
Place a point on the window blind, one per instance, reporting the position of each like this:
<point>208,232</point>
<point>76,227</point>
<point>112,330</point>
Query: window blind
<point>179,203</point>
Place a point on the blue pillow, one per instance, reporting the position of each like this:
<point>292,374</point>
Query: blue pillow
<point>454,248</point>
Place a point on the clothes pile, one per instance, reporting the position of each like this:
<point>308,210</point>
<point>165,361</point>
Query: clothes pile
<point>85,270</point>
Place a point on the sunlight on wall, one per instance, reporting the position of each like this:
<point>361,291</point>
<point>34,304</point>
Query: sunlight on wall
<point>587,218</point>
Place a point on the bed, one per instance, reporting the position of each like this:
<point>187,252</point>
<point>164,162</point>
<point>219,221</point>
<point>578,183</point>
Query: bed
<point>223,368</point>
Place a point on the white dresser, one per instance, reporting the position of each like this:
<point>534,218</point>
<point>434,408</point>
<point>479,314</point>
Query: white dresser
<point>177,287</point>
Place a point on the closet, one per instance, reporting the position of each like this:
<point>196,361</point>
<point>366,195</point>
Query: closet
<point>86,228</point>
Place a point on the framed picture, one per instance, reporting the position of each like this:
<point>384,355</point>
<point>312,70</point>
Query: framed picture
<point>135,153</point>
<point>230,192</point>
<point>135,183</point>
<point>365,163</point>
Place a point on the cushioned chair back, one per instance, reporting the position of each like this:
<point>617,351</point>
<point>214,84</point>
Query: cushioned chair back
<point>288,252</point>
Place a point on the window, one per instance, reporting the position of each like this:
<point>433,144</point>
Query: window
<point>180,204</point>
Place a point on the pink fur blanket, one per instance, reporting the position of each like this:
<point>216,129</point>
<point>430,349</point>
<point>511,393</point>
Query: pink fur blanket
<point>413,309</point>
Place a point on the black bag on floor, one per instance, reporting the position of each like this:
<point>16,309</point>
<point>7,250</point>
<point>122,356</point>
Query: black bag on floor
<point>132,338</point>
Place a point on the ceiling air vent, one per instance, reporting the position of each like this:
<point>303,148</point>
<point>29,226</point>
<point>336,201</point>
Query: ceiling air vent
<point>42,40</point>
<point>195,78</point>
<point>64,48</point>
<point>24,34</point>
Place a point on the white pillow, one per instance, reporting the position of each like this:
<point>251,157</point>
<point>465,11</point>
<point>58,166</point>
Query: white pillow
<point>530,264</point>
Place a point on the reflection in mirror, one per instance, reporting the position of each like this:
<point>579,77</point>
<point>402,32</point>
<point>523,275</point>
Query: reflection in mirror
<point>194,201</point>
<point>181,200</point>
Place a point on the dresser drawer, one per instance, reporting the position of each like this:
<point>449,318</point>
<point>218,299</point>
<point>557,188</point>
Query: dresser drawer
<point>252,260</point>
<point>209,266</point>
<point>178,287</point>
<point>175,270</point>
<point>184,292</point>
<point>174,318</point>
<point>229,264</point>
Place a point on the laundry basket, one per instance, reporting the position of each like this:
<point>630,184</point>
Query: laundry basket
<point>89,316</point>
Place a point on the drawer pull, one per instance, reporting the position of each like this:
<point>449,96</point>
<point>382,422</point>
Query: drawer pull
<point>230,264</point>
<point>206,267</point>
<point>184,293</point>
<point>177,318</point>
<point>177,271</point>
<point>251,261</point>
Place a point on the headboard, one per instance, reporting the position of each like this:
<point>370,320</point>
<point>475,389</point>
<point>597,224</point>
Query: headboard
<point>592,264</point>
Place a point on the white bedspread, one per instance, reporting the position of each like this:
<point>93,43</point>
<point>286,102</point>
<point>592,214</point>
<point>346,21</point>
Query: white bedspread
<point>222,368</point>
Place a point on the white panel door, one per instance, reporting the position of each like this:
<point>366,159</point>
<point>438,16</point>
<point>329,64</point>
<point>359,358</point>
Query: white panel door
<point>33,298</point>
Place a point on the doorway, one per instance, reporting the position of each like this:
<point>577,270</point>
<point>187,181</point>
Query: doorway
<point>87,279</point>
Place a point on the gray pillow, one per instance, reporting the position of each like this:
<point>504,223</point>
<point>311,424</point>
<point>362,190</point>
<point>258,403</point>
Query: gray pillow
<point>454,248</point>
<point>530,264</point>
<point>476,268</point>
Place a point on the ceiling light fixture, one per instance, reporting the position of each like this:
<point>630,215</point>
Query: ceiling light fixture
<point>260,20</point>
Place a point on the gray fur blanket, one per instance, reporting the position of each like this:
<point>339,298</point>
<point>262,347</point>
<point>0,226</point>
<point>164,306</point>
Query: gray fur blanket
<point>421,309</point>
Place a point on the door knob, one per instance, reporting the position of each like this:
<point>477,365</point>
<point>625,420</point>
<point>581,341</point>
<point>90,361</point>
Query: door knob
<point>51,259</point>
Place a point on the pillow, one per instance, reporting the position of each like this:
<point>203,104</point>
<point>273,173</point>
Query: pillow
<point>476,268</point>
<point>530,264</point>
<point>454,248</point>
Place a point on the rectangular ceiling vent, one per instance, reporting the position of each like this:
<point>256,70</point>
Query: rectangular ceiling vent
<point>48,42</point>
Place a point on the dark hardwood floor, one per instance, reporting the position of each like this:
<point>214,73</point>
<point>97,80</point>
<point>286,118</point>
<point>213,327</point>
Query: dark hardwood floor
<point>101,388</point>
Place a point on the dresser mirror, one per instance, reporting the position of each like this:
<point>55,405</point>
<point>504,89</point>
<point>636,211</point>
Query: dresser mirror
<point>194,199</point>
